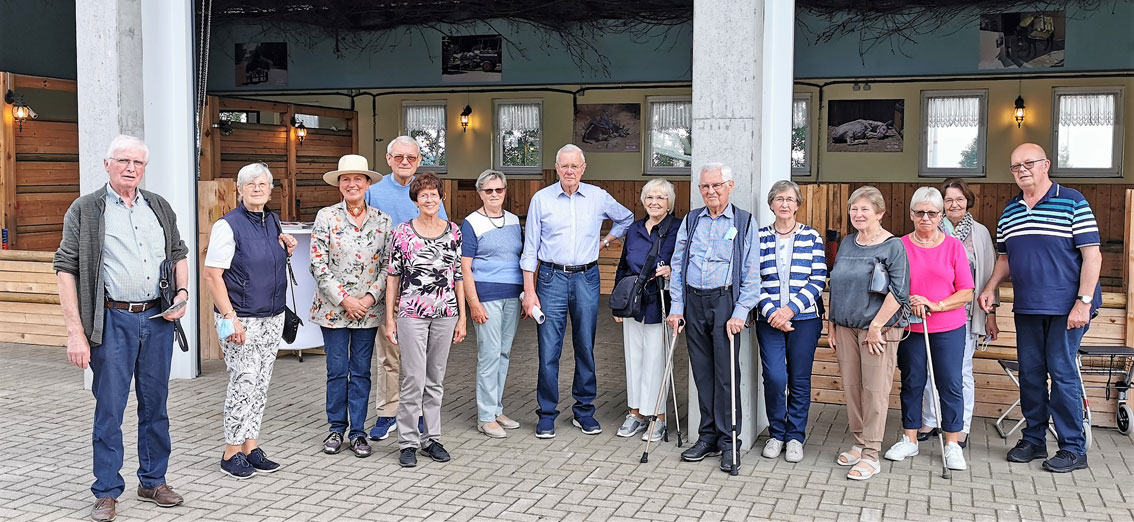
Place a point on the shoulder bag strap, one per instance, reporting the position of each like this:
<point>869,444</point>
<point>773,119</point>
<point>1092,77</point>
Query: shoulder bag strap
<point>290,272</point>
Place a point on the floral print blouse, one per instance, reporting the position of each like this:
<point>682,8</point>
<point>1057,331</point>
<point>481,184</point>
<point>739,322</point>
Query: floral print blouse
<point>430,269</point>
<point>347,260</point>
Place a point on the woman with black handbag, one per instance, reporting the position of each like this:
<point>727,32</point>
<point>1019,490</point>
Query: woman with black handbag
<point>245,274</point>
<point>645,260</point>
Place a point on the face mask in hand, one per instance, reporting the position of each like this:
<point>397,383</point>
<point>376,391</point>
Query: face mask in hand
<point>225,328</point>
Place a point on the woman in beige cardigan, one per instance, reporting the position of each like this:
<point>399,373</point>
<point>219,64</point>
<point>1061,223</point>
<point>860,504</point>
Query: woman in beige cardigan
<point>981,251</point>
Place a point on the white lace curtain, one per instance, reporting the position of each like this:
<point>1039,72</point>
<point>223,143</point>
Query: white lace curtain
<point>953,112</point>
<point>425,117</point>
<point>798,114</point>
<point>518,117</point>
<point>1086,110</point>
<point>670,115</point>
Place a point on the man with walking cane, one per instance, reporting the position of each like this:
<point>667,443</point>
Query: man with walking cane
<point>714,285</point>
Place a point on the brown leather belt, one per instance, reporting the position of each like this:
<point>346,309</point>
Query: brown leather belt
<point>132,307</point>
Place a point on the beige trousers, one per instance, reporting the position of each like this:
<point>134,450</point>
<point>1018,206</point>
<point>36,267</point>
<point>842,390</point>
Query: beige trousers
<point>386,378</point>
<point>867,380</point>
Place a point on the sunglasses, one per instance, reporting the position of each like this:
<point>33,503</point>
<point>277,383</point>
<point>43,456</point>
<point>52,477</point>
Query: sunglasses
<point>499,190</point>
<point>922,213</point>
<point>407,157</point>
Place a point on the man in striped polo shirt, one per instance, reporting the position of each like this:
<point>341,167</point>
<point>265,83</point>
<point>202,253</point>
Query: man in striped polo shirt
<point>1048,241</point>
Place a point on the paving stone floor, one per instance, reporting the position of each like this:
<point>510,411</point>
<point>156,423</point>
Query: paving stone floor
<point>45,460</point>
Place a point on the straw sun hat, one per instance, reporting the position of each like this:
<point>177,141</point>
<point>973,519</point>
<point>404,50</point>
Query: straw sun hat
<point>351,164</point>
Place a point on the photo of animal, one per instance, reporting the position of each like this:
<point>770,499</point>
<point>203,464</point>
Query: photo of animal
<point>608,127</point>
<point>865,125</point>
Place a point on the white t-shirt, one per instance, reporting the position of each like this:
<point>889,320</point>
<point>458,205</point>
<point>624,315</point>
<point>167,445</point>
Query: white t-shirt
<point>222,246</point>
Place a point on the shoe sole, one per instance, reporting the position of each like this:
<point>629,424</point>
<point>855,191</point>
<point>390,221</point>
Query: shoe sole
<point>889,458</point>
<point>273,470</point>
<point>404,465</point>
<point>1025,461</point>
<point>625,435</point>
<point>595,431</point>
<point>709,454</point>
<point>435,459</point>
<point>492,435</point>
<point>148,499</point>
<point>360,455</point>
<point>393,428</point>
<point>1064,470</point>
<point>545,435</point>
<point>237,477</point>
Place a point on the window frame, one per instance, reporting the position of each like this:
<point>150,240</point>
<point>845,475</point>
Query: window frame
<point>498,143</point>
<point>648,168</point>
<point>981,170</point>
<point>805,170</point>
<point>1115,171</point>
<point>437,169</point>
<point>249,114</point>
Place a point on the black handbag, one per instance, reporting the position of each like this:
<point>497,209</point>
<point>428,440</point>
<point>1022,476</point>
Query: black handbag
<point>626,297</point>
<point>291,321</point>
<point>167,287</point>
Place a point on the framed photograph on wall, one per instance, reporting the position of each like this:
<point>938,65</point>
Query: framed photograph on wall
<point>471,59</point>
<point>865,125</point>
<point>608,127</point>
<point>261,64</point>
<point>1027,40</point>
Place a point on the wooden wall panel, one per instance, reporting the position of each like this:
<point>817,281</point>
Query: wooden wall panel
<point>46,182</point>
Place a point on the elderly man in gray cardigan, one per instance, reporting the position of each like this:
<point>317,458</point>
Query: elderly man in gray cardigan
<point>108,269</point>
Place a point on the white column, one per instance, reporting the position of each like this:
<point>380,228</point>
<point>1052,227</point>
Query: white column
<point>742,85</point>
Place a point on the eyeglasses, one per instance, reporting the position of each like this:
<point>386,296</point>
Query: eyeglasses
<point>781,200</point>
<point>1015,168</point>
<point>253,185</point>
<point>922,213</point>
<point>716,187</point>
<point>958,201</point>
<point>657,199</point>
<point>498,190</point>
<point>570,167</point>
<point>427,196</point>
<point>126,162</point>
<point>398,158</point>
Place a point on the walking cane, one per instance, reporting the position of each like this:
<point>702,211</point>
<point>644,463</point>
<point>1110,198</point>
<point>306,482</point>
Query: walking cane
<point>673,367</point>
<point>934,396</point>
<point>732,399</point>
<point>668,373</point>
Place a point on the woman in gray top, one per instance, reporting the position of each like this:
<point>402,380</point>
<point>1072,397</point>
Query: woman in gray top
<point>865,326</point>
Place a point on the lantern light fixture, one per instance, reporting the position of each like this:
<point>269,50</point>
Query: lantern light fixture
<point>300,129</point>
<point>21,112</point>
<point>465,118</point>
<point>1018,113</point>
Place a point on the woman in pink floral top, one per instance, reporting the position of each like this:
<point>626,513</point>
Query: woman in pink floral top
<point>350,244</point>
<point>429,305</point>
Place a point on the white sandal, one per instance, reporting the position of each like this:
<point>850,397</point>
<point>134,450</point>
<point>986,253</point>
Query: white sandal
<point>847,459</point>
<point>874,466</point>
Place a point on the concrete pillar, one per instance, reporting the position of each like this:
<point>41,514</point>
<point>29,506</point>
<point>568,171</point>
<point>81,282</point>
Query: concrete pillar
<point>135,76</point>
<point>742,94</point>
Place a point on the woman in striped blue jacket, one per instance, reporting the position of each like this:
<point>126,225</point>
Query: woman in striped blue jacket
<point>793,273</point>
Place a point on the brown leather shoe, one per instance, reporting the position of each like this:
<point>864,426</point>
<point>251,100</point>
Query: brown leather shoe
<point>104,510</point>
<point>162,495</point>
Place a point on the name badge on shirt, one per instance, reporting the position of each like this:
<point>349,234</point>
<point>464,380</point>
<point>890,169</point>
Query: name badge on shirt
<point>731,233</point>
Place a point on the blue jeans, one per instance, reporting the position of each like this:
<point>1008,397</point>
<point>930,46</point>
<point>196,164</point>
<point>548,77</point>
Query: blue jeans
<point>349,352</point>
<point>494,348</point>
<point>786,358</point>
<point>133,347</point>
<point>1045,347</point>
<point>561,294</point>
<point>948,352</point>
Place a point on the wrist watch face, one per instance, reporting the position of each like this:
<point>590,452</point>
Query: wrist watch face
<point>1085,299</point>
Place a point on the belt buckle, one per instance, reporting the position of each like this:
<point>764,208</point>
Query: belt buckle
<point>140,307</point>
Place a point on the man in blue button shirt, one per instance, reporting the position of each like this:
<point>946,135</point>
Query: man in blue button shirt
<point>1048,241</point>
<point>714,284</point>
<point>562,243</point>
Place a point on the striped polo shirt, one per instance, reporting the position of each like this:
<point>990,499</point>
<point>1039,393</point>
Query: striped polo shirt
<point>1042,244</point>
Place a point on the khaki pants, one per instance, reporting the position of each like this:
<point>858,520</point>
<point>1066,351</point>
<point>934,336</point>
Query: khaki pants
<point>386,378</point>
<point>867,380</point>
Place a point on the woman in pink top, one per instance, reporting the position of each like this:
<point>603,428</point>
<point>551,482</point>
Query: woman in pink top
<point>940,286</point>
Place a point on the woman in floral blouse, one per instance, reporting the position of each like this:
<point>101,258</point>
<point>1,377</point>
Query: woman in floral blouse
<point>424,275</point>
<point>350,244</point>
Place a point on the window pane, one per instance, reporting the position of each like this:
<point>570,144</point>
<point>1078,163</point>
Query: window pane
<point>671,134</point>
<point>953,132</point>
<point>426,124</point>
<point>799,121</point>
<point>518,127</point>
<point>521,148</point>
<point>1086,131</point>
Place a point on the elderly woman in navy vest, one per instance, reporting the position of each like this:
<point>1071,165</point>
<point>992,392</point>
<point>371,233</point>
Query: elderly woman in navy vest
<point>643,337</point>
<point>245,272</point>
<point>793,272</point>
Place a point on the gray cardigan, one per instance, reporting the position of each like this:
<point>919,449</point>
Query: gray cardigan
<point>80,252</point>
<point>984,254</point>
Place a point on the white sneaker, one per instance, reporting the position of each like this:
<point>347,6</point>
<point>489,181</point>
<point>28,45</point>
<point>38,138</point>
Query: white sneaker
<point>773,448</point>
<point>657,434</point>
<point>794,451</point>
<point>902,449</point>
<point>955,457</point>
<point>632,426</point>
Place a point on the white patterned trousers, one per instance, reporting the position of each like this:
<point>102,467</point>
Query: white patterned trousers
<point>249,372</point>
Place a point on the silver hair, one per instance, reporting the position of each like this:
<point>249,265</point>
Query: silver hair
<point>404,140</point>
<point>570,147</point>
<point>123,142</point>
<point>249,173</point>
<point>489,175</point>
<point>928,195</point>
<point>660,185</point>
<point>782,186</point>
<point>725,170</point>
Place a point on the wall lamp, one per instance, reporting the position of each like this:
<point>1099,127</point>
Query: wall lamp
<point>465,118</point>
<point>1019,112</point>
<point>20,110</point>
<point>300,129</point>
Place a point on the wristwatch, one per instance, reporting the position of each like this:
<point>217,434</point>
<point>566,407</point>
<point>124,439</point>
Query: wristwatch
<point>605,243</point>
<point>1085,299</point>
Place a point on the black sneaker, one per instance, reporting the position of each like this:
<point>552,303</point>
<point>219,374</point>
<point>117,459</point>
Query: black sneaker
<point>436,452</point>
<point>1064,461</point>
<point>237,466</point>
<point>408,458</point>
<point>360,448</point>
<point>923,436</point>
<point>333,443</point>
<point>699,451</point>
<point>726,461</point>
<point>1025,451</point>
<point>260,461</point>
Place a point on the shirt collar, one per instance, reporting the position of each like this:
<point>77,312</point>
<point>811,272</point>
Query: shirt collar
<point>114,198</point>
<point>727,212</point>
<point>1052,192</point>
<point>582,191</point>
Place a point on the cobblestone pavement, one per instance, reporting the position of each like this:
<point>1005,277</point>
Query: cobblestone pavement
<point>45,459</point>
